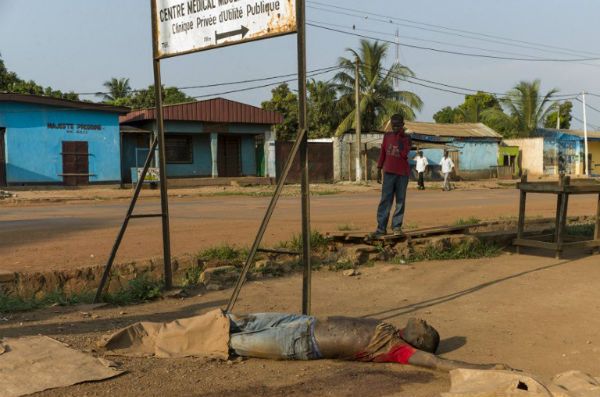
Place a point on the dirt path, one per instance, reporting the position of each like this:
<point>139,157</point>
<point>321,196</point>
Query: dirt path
<point>534,313</point>
<point>64,235</point>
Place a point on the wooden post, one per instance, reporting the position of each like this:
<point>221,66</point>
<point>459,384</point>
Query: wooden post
<point>522,201</point>
<point>597,228</point>
<point>562,221</point>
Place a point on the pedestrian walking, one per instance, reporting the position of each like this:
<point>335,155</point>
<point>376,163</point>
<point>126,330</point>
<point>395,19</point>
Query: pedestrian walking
<point>393,167</point>
<point>421,166</point>
<point>447,166</point>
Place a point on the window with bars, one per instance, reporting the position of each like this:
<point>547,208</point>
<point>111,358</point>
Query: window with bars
<point>179,149</point>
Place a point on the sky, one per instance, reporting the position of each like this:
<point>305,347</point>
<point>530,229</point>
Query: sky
<point>77,45</point>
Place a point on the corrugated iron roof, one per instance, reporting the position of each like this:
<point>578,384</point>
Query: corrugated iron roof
<point>459,130</point>
<point>63,103</point>
<point>590,134</point>
<point>218,110</point>
<point>129,129</point>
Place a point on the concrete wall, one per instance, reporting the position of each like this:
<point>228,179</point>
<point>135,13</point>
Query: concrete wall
<point>594,150</point>
<point>532,154</point>
<point>33,151</point>
<point>476,158</point>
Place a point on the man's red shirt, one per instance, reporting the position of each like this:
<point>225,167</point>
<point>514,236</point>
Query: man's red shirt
<point>394,153</point>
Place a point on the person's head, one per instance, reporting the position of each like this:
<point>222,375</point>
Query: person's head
<point>421,335</point>
<point>420,153</point>
<point>397,121</point>
<point>445,153</point>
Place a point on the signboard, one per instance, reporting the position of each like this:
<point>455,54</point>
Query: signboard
<point>184,26</point>
<point>153,175</point>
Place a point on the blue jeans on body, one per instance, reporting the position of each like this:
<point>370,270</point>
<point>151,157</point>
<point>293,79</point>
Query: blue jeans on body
<point>274,336</point>
<point>393,186</point>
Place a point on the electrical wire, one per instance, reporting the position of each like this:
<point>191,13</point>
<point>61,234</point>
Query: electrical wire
<point>438,50</point>
<point>445,30</point>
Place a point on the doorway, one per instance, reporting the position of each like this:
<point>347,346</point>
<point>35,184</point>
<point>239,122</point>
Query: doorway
<point>75,163</point>
<point>3,181</point>
<point>229,156</point>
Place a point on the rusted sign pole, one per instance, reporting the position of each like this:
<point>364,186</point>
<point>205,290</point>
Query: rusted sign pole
<point>302,126</point>
<point>160,136</point>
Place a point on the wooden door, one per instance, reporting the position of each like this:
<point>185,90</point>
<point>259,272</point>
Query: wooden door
<point>454,156</point>
<point>3,181</point>
<point>229,156</point>
<point>75,163</point>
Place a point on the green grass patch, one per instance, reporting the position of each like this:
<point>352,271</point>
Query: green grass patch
<point>340,266</point>
<point>317,242</point>
<point>582,230</point>
<point>464,250</point>
<point>346,227</point>
<point>223,252</point>
<point>468,221</point>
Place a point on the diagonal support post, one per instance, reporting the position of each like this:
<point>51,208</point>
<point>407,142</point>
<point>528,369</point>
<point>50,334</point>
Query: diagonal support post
<point>128,216</point>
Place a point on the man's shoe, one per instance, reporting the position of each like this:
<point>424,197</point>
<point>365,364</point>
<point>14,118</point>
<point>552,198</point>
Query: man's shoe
<point>398,231</point>
<point>377,234</point>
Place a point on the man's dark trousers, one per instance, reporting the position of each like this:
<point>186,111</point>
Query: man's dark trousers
<point>421,180</point>
<point>393,186</point>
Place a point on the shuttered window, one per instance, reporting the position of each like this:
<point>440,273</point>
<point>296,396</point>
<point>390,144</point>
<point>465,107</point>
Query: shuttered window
<point>179,149</point>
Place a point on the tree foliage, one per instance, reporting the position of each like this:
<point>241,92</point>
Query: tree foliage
<point>145,98</point>
<point>117,89</point>
<point>564,109</point>
<point>284,101</point>
<point>323,112</point>
<point>379,99</point>
<point>10,82</point>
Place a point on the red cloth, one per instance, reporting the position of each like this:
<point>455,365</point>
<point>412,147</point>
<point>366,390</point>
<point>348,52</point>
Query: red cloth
<point>397,354</point>
<point>394,153</point>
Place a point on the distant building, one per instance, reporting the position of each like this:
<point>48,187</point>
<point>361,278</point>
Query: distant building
<point>473,148</point>
<point>49,141</point>
<point>551,151</point>
<point>212,138</point>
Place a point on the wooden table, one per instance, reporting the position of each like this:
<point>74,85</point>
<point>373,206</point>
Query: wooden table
<point>562,189</point>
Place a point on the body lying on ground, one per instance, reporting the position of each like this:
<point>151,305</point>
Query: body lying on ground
<point>283,336</point>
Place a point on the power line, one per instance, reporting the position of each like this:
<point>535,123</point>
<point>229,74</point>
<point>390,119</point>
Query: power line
<point>452,52</point>
<point>387,19</point>
<point>330,68</point>
<point>587,105</point>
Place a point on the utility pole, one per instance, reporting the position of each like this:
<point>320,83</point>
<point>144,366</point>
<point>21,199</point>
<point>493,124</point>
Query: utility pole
<point>357,121</point>
<point>585,135</point>
<point>557,116</point>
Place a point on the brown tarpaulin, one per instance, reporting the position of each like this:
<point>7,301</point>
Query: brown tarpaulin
<point>37,363</point>
<point>206,336</point>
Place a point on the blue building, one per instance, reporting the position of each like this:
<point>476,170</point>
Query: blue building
<point>49,141</point>
<point>212,138</point>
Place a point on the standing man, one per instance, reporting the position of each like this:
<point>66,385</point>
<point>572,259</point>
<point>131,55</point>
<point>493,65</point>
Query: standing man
<point>421,166</point>
<point>393,164</point>
<point>447,166</point>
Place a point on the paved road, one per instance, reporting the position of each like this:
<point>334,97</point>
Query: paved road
<point>71,235</point>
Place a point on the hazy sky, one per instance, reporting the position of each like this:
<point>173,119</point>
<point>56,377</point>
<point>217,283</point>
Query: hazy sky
<point>78,44</point>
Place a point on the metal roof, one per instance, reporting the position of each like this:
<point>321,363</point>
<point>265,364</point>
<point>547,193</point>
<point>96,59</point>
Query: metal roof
<point>590,134</point>
<point>129,129</point>
<point>458,130</point>
<point>62,103</point>
<point>218,110</point>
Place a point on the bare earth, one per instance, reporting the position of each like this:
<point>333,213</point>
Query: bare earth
<point>80,228</point>
<point>534,313</point>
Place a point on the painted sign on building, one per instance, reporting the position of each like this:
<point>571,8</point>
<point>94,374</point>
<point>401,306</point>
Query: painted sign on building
<point>184,26</point>
<point>152,175</point>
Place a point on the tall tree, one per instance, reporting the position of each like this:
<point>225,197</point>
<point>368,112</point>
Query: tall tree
<point>117,89</point>
<point>10,82</point>
<point>526,109</point>
<point>564,110</point>
<point>379,99</point>
<point>446,115</point>
<point>285,102</point>
<point>323,112</point>
<point>146,98</point>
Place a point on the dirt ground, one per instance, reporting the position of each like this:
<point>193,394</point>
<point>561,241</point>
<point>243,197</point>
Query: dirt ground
<point>38,234</point>
<point>532,312</point>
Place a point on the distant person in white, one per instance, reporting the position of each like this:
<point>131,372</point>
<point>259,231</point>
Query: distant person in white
<point>421,166</point>
<point>447,166</point>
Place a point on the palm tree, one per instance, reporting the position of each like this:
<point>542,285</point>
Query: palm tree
<point>117,89</point>
<point>526,109</point>
<point>379,99</point>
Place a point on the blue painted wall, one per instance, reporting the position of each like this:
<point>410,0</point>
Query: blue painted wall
<point>33,151</point>
<point>477,155</point>
<point>202,158</point>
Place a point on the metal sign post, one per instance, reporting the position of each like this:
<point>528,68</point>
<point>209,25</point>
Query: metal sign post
<point>182,27</point>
